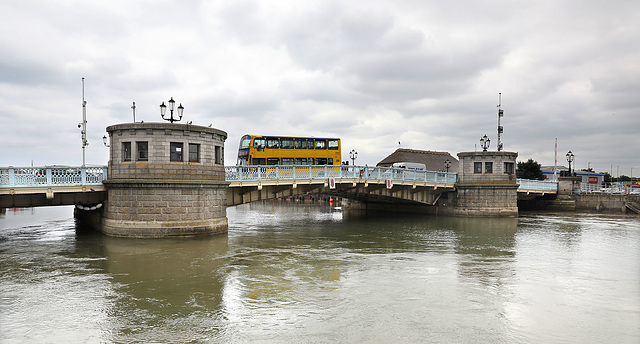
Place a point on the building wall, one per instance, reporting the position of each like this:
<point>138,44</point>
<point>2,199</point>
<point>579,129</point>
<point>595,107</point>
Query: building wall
<point>467,172</point>
<point>158,166</point>
<point>585,177</point>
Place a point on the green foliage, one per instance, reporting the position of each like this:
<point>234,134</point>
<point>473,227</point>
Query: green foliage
<point>529,170</point>
<point>624,178</point>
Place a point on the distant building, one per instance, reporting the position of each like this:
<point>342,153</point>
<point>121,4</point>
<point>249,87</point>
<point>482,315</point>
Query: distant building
<point>587,177</point>
<point>434,161</point>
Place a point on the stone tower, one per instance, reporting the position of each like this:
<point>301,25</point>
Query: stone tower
<point>165,179</point>
<point>487,184</point>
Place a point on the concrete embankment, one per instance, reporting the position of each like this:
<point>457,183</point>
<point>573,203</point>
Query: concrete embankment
<point>608,203</point>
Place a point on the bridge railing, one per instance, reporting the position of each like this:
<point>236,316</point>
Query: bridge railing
<point>52,176</point>
<point>542,185</point>
<point>279,172</point>
<point>94,175</point>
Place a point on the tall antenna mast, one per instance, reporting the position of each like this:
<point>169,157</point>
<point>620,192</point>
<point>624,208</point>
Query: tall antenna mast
<point>500,115</point>
<point>134,111</point>
<point>83,125</point>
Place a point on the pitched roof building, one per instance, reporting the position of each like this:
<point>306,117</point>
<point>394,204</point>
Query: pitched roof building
<point>434,161</point>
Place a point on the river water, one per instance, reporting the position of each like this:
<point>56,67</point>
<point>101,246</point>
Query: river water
<point>313,274</point>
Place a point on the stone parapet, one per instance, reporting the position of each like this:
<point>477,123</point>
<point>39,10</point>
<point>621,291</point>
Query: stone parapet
<point>164,171</point>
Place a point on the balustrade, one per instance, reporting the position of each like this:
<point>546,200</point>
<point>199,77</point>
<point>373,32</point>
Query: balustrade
<point>94,175</point>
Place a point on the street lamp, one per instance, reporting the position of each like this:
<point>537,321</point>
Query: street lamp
<point>484,143</point>
<point>104,141</point>
<point>570,158</point>
<point>447,164</point>
<point>353,155</point>
<point>172,103</point>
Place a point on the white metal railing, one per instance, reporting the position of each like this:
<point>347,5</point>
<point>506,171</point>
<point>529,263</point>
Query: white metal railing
<point>612,188</point>
<point>590,188</point>
<point>542,185</point>
<point>94,175</point>
<point>280,172</point>
<point>51,176</point>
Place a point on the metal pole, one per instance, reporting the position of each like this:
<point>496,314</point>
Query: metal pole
<point>500,114</point>
<point>555,164</point>
<point>84,126</point>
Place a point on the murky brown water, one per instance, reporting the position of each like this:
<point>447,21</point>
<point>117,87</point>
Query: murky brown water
<point>312,274</point>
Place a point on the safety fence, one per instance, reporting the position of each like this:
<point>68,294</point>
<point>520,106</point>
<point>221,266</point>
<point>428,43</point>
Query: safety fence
<point>537,185</point>
<point>94,175</point>
<point>287,172</point>
<point>52,176</point>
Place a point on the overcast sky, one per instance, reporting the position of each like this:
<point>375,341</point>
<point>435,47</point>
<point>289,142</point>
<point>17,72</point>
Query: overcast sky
<point>375,73</point>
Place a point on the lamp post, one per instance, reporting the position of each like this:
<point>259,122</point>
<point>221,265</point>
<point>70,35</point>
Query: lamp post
<point>570,158</point>
<point>447,164</point>
<point>484,143</point>
<point>105,142</point>
<point>353,155</point>
<point>172,103</point>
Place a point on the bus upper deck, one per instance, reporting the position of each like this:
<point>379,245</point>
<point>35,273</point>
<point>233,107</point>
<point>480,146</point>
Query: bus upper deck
<point>288,150</point>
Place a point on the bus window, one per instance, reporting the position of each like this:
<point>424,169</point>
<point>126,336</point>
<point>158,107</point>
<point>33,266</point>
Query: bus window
<point>259,143</point>
<point>258,161</point>
<point>310,142</point>
<point>272,161</point>
<point>321,144</point>
<point>286,143</point>
<point>243,161</point>
<point>273,143</point>
<point>330,161</point>
<point>321,161</point>
<point>245,142</point>
<point>334,144</point>
<point>286,161</point>
<point>301,143</point>
<point>310,161</point>
<point>301,161</point>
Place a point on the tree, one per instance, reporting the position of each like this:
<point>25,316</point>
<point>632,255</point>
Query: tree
<point>529,170</point>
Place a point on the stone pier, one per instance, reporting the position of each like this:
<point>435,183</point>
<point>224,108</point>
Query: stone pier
<point>486,184</point>
<point>164,180</point>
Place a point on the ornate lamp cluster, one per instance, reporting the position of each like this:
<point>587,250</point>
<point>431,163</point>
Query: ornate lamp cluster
<point>172,104</point>
<point>353,155</point>
<point>570,157</point>
<point>484,143</point>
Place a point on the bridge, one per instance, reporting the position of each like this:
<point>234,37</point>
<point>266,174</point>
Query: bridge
<point>66,185</point>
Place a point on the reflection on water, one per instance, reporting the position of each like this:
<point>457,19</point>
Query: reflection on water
<point>306,273</point>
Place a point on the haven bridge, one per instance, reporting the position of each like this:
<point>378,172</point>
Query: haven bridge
<point>66,185</point>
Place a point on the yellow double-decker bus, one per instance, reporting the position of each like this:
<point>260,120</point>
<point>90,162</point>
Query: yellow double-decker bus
<point>288,150</point>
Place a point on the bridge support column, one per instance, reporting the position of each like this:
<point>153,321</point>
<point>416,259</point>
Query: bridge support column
<point>487,184</point>
<point>160,209</point>
<point>165,180</point>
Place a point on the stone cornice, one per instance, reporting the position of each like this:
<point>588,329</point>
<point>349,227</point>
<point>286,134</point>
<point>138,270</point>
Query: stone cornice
<point>165,126</point>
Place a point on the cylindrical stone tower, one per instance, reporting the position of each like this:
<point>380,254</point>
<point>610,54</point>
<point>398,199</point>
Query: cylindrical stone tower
<point>164,180</point>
